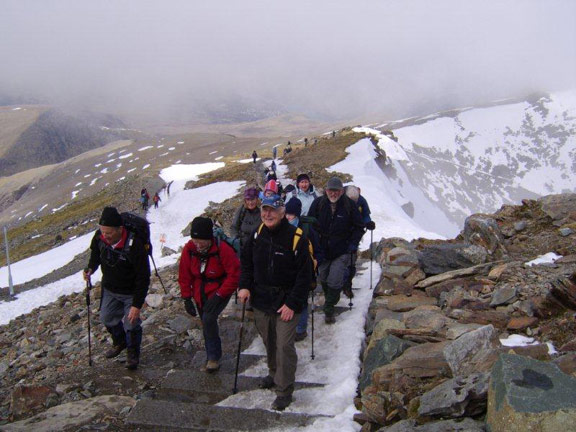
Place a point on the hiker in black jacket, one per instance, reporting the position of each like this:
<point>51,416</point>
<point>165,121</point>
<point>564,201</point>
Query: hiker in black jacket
<point>340,229</point>
<point>247,217</point>
<point>125,281</point>
<point>275,276</point>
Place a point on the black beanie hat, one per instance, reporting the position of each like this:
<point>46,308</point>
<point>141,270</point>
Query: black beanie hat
<point>302,177</point>
<point>110,217</point>
<point>201,228</point>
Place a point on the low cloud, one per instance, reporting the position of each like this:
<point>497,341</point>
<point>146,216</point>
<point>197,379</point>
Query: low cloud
<point>323,58</point>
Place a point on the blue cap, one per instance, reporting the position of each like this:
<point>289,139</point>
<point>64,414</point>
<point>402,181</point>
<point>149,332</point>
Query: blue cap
<point>273,201</point>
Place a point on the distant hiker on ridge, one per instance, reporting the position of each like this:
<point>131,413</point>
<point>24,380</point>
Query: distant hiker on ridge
<point>254,156</point>
<point>340,229</point>
<point>125,281</point>
<point>156,199</point>
<point>274,152</point>
<point>209,272</point>
<point>275,277</point>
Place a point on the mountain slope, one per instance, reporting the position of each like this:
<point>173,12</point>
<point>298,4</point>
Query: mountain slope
<point>477,159</point>
<point>35,136</point>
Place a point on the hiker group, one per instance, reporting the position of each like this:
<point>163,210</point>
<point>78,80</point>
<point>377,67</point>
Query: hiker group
<point>282,241</point>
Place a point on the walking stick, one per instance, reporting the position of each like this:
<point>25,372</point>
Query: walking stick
<point>312,307</point>
<point>371,255</point>
<point>235,389</point>
<point>88,288</point>
<point>351,276</point>
<point>158,275</point>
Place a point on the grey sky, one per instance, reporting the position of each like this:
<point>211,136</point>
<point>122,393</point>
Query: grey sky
<point>331,58</point>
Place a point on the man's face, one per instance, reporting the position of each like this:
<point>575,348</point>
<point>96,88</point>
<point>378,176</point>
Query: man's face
<point>290,217</point>
<point>251,203</point>
<point>304,185</point>
<point>271,217</point>
<point>334,194</point>
<point>111,234</point>
<point>202,245</point>
<point>269,193</point>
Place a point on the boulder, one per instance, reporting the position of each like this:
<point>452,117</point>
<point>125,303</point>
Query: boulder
<point>180,324</point>
<point>402,303</point>
<point>529,395</point>
<point>466,425</point>
<point>483,230</point>
<point>558,207</point>
<point>24,400</point>
<point>455,330</point>
<point>454,274</point>
<point>457,397</point>
<point>381,330</point>
<point>405,374</point>
<point>73,415</point>
<point>381,353</point>
<point>504,296</point>
<point>154,300</point>
<point>428,317</point>
<point>440,258</point>
<point>475,351</point>
<point>521,323</point>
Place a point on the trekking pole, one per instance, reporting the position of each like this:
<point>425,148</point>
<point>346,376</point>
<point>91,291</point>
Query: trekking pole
<point>312,307</point>
<point>350,304</point>
<point>235,389</point>
<point>157,274</point>
<point>371,255</point>
<point>88,288</point>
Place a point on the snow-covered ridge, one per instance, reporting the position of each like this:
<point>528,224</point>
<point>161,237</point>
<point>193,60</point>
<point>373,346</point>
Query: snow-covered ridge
<point>477,159</point>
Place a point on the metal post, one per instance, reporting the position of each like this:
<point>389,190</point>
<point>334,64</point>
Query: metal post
<point>10,284</point>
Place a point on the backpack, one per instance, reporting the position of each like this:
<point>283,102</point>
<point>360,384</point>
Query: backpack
<point>220,235</point>
<point>138,227</point>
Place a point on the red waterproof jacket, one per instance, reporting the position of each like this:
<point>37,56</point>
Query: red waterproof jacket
<point>221,274</point>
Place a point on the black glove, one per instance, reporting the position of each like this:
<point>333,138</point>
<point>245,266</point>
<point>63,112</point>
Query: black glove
<point>370,226</point>
<point>189,306</point>
<point>212,304</point>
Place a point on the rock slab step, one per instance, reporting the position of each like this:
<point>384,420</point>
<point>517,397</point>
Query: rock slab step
<point>169,415</point>
<point>202,387</point>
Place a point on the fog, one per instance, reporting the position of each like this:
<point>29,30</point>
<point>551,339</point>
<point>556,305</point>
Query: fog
<point>326,59</point>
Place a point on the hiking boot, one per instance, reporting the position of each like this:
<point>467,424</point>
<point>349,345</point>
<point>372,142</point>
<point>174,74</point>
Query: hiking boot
<point>281,402</point>
<point>267,382</point>
<point>212,366</point>
<point>301,336</point>
<point>329,319</point>
<point>115,351</point>
<point>132,359</point>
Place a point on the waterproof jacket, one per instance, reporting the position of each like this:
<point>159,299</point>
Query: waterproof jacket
<point>273,272</point>
<point>341,231</point>
<point>244,224</point>
<point>307,198</point>
<point>364,209</point>
<point>220,276</point>
<point>125,270</point>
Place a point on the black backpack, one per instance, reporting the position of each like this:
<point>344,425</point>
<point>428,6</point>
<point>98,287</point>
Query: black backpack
<point>138,227</point>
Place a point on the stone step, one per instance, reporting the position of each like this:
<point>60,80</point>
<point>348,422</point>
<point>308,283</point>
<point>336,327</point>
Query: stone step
<point>227,362</point>
<point>159,415</point>
<point>201,387</point>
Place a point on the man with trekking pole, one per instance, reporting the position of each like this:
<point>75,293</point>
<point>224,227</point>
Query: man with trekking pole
<point>123,259</point>
<point>275,276</point>
<point>340,229</point>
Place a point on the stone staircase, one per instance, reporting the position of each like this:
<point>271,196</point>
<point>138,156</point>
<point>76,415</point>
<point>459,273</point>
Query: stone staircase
<point>186,402</point>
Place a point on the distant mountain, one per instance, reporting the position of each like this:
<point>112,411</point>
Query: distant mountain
<point>34,136</point>
<point>477,159</point>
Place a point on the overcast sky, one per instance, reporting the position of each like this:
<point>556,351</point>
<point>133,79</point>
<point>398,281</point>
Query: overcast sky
<point>332,58</point>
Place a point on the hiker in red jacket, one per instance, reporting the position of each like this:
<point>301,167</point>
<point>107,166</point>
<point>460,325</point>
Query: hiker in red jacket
<point>208,276</point>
